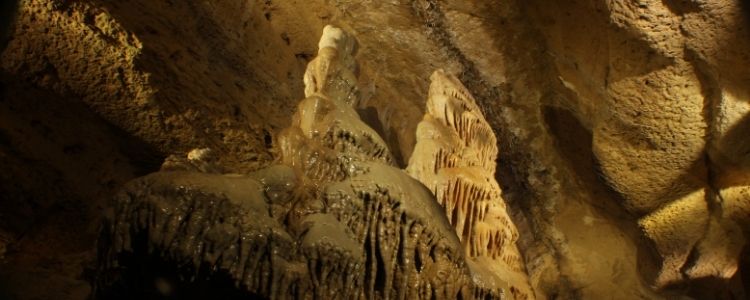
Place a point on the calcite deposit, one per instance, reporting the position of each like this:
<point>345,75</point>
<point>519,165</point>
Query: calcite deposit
<point>620,130</point>
<point>334,218</point>
<point>455,156</point>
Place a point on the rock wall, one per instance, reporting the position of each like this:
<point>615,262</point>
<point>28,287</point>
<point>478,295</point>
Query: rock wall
<point>662,98</point>
<point>334,219</point>
<point>620,124</point>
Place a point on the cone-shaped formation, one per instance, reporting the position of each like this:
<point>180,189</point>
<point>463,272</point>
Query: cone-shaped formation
<point>455,157</point>
<point>333,221</point>
<point>327,136</point>
<point>333,73</point>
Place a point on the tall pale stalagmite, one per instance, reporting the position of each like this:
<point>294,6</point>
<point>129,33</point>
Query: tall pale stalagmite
<point>408,249</point>
<point>455,158</point>
<point>327,135</point>
<point>334,220</point>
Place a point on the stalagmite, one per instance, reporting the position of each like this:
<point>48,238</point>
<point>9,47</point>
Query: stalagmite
<point>455,157</point>
<point>334,219</point>
<point>327,135</point>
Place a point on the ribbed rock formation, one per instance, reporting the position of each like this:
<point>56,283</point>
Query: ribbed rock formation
<point>333,220</point>
<point>455,157</point>
<point>406,247</point>
<point>622,125</point>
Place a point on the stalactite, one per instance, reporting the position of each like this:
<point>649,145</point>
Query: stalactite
<point>455,156</point>
<point>333,220</point>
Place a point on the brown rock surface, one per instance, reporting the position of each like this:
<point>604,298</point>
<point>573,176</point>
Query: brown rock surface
<point>455,158</point>
<point>610,116</point>
<point>334,220</point>
<point>663,99</point>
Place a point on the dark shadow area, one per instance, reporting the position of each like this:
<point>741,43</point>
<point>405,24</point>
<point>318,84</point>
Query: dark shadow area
<point>8,10</point>
<point>682,7</point>
<point>743,272</point>
<point>733,288</point>
<point>745,5</point>
<point>574,143</point>
<point>144,157</point>
<point>731,159</point>
<point>145,274</point>
<point>61,162</point>
<point>369,115</point>
<point>220,67</point>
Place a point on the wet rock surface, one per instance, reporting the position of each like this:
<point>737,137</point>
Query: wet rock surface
<point>620,125</point>
<point>334,220</point>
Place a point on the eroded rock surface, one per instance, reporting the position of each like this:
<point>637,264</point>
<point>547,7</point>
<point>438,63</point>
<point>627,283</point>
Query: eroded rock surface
<point>616,120</point>
<point>663,103</point>
<point>455,156</point>
<point>335,219</point>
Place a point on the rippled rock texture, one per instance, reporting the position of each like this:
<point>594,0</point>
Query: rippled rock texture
<point>455,157</point>
<point>620,125</point>
<point>335,218</point>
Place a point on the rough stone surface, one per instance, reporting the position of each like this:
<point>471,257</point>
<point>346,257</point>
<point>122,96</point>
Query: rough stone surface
<point>455,157</point>
<point>663,101</point>
<point>334,220</point>
<point>610,116</point>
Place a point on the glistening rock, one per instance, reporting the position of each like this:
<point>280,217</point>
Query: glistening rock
<point>334,218</point>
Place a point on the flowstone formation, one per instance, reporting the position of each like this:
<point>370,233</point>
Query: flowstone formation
<point>333,219</point>
<point>455,157</point>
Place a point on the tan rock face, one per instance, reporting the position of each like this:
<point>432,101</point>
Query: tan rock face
<point>334,219</point>
<point>166,79</point>
<point>621,125</point>
<point>666,100</point>
<point>455,157</point>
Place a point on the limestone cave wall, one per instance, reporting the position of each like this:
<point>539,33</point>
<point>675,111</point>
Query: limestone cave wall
<point>621,127</point>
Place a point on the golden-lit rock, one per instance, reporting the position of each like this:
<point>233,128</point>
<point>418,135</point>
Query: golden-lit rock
<point>455,156</point>
<point>333,220</point>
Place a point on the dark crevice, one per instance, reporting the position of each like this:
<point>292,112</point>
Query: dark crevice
<point>711,93</point>
<point>682,7</point>
<point>8,10</point>
<point>380,269</point>
<point>369,263</point>
<point>149,275</point>
<point>417,260</point>
<point>574,143</point>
